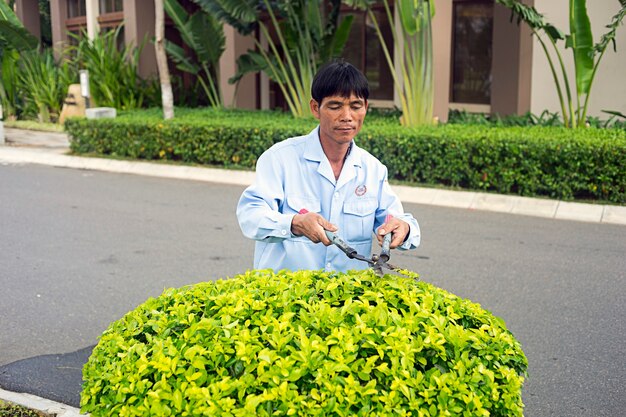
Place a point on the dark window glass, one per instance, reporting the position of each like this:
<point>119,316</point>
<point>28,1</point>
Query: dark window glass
<point>363,50</point>
<point>111,6</point>
<point>76,8</point>
<point>472,52</point>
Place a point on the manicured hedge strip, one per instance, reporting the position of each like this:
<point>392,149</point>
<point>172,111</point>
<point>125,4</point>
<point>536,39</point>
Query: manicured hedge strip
<point>529,161</point>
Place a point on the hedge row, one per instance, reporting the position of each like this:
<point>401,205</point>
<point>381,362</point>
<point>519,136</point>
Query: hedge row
<point>530,161</point>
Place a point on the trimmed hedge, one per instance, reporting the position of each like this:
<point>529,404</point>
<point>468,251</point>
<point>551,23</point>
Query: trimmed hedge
<point>307,343</point>
<point>529,161</point>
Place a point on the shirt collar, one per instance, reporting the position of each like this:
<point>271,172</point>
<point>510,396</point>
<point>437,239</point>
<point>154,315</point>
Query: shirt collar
<point>313,149</point>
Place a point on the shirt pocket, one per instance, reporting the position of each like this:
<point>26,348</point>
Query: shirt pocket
<point>359,219</point>
<point>296,203</point>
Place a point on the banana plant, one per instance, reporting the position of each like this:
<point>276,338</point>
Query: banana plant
<point>415,62</point>
<point>304,37</point>
<point>44,83</point>
<point>14,38</point>
<point>12,32</point>
<point>204,34</point>
<point>587,55</point>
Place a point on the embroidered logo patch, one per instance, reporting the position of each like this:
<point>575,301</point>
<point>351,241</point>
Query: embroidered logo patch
<point>360,190</point>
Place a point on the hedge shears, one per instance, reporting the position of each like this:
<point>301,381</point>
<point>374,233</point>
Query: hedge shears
<point>377,261</point>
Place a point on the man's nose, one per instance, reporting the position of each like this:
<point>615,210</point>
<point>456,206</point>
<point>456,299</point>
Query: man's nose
<point>346,114</point>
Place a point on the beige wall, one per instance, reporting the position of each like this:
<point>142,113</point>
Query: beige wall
<point>609,88</point>
<point>139,26</point>
<point>245,94</point>
<point>58,14</point>
<point>28,12</point>
<point>442,59</point>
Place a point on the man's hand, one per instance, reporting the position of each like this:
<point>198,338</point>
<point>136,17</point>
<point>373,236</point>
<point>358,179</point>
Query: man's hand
<point>399,231</point>
<point>313,226</point>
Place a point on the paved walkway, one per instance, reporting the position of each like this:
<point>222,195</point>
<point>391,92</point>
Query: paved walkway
<point>24,146</point>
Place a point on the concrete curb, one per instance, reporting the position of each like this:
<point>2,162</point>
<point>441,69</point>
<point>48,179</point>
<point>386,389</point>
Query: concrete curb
<point>42,405</point>
<point>527,206</point>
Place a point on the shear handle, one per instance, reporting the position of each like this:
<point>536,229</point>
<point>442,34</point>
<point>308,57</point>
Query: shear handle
<point>336,240</point>
<point>341,244</point>
<point>385,252</point>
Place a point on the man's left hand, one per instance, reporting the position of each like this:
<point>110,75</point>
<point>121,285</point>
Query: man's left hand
<point>399,231</point>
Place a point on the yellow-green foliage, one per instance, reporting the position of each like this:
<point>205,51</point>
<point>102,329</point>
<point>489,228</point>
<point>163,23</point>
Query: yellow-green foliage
<point>306,343</point>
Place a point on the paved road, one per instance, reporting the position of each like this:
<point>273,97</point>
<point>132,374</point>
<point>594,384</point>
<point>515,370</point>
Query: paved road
<point>78,249</point>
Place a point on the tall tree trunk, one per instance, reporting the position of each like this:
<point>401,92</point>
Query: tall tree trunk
<point>167,98</point>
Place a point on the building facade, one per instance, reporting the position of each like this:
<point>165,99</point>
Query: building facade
<point>483,61</point>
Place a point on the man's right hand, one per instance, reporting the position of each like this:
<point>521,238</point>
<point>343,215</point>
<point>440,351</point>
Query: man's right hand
<point>313,226</point>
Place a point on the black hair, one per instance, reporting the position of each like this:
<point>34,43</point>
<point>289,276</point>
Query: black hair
<point>339,78</point>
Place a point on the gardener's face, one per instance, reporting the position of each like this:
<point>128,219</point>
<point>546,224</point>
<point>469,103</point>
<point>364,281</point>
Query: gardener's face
<point>341,118</point>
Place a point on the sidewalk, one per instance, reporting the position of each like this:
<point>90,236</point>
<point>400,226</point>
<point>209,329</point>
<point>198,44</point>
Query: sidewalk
<point>23,146</point>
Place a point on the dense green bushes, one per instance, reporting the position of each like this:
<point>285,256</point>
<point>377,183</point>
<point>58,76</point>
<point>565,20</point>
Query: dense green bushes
<point>530,161</point>
<point>306,343</point>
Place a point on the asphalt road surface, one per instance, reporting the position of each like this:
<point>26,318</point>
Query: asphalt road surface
<point>79,249</point>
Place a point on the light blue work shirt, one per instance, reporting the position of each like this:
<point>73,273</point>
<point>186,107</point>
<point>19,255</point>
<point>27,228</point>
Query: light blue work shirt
<point>295,174</point>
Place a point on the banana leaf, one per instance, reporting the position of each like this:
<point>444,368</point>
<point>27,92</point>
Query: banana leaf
<point>253,61</point>
<point>240,14</point>
<point>208,38</point>
<point>183,61</point>
<point>581,41</point>
<point>13,32</point>
<point>180,16</point>
<point>333,43</point>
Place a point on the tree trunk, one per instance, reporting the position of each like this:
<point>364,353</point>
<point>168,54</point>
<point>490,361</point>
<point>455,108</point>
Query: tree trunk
<point>167,98</point>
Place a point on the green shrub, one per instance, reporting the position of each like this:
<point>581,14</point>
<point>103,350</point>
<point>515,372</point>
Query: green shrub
<point>529,161</point>
<point>306,343</point>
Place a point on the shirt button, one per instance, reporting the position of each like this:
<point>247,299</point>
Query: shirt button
<point>337,195</point>
<point>328,265</point>
<point>283,232</point>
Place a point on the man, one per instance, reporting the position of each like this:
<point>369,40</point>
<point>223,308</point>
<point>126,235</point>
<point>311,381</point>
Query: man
<point>341,187</point>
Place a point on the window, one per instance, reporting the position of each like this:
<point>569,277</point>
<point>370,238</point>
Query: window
<point>76,22</point>
<point>76,8</point>
<point>363,50</point>
<point>472,52</point>
<point>111,6</point>
<point>111,17</point>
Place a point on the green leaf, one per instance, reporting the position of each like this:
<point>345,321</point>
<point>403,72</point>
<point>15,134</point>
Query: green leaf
<point>241,14</point>
<point>252,62</point>
<point>183,62</point>
<point>209,39</point>
<point>553,32</point>
<point>407,12</point>
<point>581,41</point>
<point>180,18</point>
<point>13,32</point>
<point>335,42</point>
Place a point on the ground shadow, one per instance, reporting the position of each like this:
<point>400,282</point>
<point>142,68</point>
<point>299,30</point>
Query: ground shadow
<point>57,377</point>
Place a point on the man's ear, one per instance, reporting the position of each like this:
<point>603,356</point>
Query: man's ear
<point>315,108</point>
